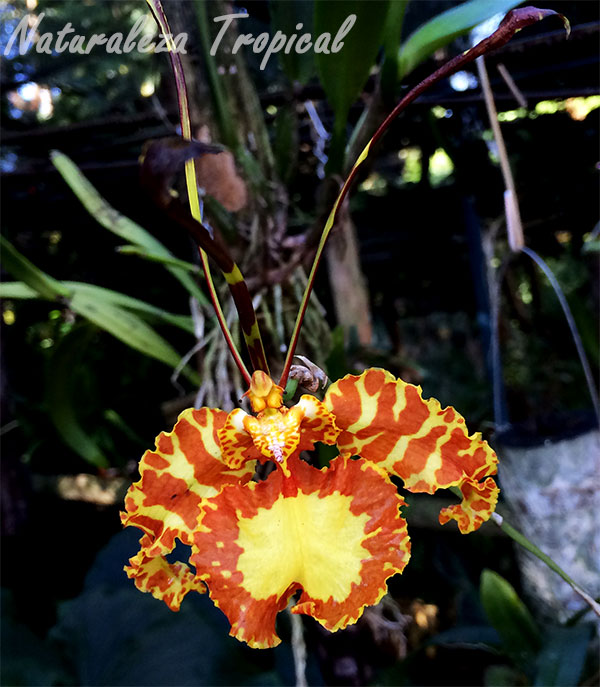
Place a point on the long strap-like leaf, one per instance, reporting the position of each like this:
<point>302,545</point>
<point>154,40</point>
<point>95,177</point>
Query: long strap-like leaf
<point>514,21</point>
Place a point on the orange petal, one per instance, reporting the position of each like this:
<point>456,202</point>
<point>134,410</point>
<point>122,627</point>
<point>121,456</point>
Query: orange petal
<point>168,582</point>
<point>336,533</point>
<point>478,504</point>
<point>185,467</point>
<point>385,420</point>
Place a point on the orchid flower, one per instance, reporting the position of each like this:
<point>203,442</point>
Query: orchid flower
<point>329,539</point>
<point>336,533</point>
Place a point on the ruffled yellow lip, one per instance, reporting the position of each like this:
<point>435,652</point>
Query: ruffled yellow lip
<point>335,533</point>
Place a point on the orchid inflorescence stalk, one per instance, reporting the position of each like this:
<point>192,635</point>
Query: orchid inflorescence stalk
<point>333,536</point>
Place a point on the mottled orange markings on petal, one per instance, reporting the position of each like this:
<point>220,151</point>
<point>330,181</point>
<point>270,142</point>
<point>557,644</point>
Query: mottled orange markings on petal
<point>275,433</point>
<point>385,420</point>
<point>164,443</point>
<point>169,582</point>
<point>236,444</point>
<point>185,467</point>
<point>336,533</point>
<point>479,502</point>
<point>318,424</point>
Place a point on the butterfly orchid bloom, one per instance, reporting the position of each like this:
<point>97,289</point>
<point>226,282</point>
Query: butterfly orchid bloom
<point>336,533</point>
<point>334,536</point>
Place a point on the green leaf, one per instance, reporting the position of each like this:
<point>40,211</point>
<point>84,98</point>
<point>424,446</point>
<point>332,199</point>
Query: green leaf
<point>344,73</point>
<point>128,328</point>
<point>112,636</point>
<point>591,246</point>
<point>285,16</point>
<point>19,290</point>
<point>155,257</point>
<point>135,304</point>
<point>60,396</point>
<point>112,417</point>
<point>337,364</point>
<point>502,676</point>
<point>114,221</point>
<point>391,44</point>
<point>227,130</point>
<point>474,635</point>
<point>562,659</point>
<point>20,267</point>
<point>445,27</point>
<point>509,616</point>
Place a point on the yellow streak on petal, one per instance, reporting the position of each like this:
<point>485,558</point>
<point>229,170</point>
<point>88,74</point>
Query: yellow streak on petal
<point>278,549</point>
<point>182,469</point>
<point>401,445</point>
<point>368,406</point>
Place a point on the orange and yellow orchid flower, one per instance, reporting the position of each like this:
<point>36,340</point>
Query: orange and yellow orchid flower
<point>333,536</point>
<point>336,534</point>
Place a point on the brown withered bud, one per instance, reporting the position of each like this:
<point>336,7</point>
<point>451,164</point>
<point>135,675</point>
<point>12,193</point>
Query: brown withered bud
<point>163,158</point>
<point>308,375</point>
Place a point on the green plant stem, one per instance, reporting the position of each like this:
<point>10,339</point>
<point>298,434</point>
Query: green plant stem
<point>522,540</point>
<point>290,389</point>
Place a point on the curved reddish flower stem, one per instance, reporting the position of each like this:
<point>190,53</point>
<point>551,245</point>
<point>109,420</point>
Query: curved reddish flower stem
<point>513,22</point>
